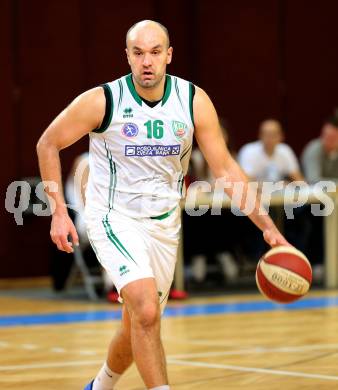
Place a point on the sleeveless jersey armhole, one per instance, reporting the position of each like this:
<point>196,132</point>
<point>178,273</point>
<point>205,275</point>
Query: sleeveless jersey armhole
<point>109,109</point>
<point>191,101</point>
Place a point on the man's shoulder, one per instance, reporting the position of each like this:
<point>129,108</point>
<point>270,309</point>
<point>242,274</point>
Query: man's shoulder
<point>251,147</point>
<point>179,79</point>
<point>312,149</point>
<point>314,144</point>
<point>114,81</point>
<point>284,148</point>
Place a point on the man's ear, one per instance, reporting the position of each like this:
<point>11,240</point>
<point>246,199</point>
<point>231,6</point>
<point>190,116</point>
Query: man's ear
<point>169,55</point>
<point>127,53</point>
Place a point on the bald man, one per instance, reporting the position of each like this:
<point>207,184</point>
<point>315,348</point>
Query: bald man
<point>140,128</point>
<point>269,159</point>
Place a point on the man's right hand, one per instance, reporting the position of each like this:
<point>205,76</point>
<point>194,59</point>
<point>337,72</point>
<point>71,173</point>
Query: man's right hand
<point>61,228</point>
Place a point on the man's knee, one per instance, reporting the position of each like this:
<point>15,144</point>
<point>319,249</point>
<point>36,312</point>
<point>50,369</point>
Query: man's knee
<point>146,315</point>
<point>141,299</point>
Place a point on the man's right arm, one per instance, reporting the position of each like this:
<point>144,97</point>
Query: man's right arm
<point>83,115</point>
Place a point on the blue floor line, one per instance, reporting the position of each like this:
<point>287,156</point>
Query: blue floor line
<point>184,310</point>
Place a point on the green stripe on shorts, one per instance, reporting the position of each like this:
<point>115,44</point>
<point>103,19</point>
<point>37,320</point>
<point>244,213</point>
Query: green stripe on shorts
<point>113,238</point>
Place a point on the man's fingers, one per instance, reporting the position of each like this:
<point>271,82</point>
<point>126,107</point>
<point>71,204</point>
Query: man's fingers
<point>61,228</point>
<point>66,245</point>
<point>273,242</point>
<point>74,236</point>
<point>62,243</point>
<point>58,244</point>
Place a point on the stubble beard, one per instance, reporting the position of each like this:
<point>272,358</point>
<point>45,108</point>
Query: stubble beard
<point>149,83</point>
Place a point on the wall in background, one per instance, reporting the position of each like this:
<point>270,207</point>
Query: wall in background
<point>272,58</point>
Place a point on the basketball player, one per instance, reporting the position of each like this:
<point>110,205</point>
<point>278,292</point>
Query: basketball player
<point>140,128</point>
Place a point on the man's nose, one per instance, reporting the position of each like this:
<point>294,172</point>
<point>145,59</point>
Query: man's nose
<point>147,59</point>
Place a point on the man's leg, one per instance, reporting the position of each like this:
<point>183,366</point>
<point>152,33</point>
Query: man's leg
<point>142,302</point>
<point>119,356</point>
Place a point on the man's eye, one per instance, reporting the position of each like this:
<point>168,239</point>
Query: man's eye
<point>137,53</point>
<point>156,52</point>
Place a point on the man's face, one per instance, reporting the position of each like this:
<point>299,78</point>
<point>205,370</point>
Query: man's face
<point>270,134</point>
<point>329,137</point>
<point>148,55</point>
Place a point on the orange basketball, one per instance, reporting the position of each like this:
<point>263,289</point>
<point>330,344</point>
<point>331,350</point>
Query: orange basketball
<point>284,274</point>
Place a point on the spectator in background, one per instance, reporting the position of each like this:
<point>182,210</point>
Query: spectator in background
<point>269,159</point>
<point>320,156</point>
<point>320,162</point>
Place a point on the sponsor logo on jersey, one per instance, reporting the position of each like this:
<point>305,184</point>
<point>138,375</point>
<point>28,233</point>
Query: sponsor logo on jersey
<point>179,129</point>
<point>128,112</point>
<point>152,150</point>
<point>129,130</point>
<point>123,270</point>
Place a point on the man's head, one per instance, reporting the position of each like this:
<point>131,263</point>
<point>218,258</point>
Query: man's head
<point>148,52</point>
<point>271,134</point>
<point>329,135</point>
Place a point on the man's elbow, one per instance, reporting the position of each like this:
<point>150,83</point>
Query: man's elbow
<point>41,145</point>
<point>44,145</point>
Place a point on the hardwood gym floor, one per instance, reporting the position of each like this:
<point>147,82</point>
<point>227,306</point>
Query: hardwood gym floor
<point>225,342</point>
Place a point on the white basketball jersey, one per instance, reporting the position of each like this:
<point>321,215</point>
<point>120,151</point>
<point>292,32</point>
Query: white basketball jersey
<point>139,156</point>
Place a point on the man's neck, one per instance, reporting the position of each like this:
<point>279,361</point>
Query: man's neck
<point>269,151</point>
<point>151,94</point>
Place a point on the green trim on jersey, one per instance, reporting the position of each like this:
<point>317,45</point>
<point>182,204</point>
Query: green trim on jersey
<point>191,101</point>
<point>132,89</point>
<point>121,94</point>
<point>185,152</point>
<point>167,90</point>
<point>177,91</point>
<point>137,97</point>
<point>165,215</point>
<point>180,182</point>
<point>109,109</point>
<point>112,178</point>
<point>113,238</point>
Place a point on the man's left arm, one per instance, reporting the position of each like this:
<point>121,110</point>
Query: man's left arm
<point>212,144</point>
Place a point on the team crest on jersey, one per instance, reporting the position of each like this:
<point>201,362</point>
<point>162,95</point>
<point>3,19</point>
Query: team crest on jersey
<point>130,130</point>
<point>179,129</point>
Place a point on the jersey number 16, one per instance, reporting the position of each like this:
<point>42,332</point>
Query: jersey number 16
<point>154,129</point>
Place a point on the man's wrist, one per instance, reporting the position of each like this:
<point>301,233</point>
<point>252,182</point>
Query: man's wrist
<point>60,209</point>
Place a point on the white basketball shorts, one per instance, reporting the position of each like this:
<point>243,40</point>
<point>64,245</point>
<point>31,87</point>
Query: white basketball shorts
<point>131,249</point>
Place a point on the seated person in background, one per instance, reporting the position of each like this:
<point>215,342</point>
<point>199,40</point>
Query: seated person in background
<point>320,156</point>
<point>320,162</point>
<point>269,159</point>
